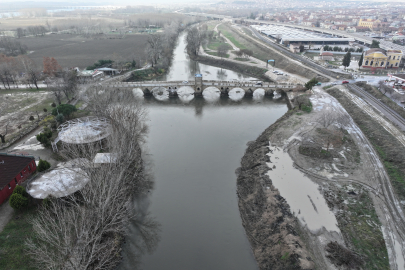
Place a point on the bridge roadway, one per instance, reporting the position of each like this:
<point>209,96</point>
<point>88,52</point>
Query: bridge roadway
<point>148,87</point>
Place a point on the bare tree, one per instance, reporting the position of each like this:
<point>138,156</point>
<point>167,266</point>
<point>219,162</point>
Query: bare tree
<point>302,100</point>
<point>85,230</point>
<point>3,134</point>
<point>193,40</point>
<point>222,50</point>
<point>154,48</point>
<point>327,118</point>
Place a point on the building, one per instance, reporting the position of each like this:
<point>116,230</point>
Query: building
<point>380,58</point>
<point>394,58</point>
<point>89,75</point>
<point>13,171</point>
<point>369,23</point>
<point>294,48</point>
<point>327,56</point>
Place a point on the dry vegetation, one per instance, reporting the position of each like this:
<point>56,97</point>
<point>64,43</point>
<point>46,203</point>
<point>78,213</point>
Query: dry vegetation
<point>76,51</point>
<point>16,106</point>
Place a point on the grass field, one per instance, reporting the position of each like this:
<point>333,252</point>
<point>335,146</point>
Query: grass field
<point>216,54</point>
<point>224,30</point>
<point>76,51</point>
<point>213,45</point>
<point>13,253</point>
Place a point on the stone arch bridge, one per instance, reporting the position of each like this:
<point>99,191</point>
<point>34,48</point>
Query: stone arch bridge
<point>200,85</point>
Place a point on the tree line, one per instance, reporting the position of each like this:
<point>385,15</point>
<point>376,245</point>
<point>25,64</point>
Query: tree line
<point>85,230</point>
<point>339,49</point>
<point>159,49</point>
<point>12,47</point>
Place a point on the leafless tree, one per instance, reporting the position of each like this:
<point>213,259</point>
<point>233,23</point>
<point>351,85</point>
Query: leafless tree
<point>302,100</point>
<point>327,118</point>
<point>222,50</point>
<point>85,230</point>
<point>193,40</point>
<point>4,133</point>
<point>154,48</point>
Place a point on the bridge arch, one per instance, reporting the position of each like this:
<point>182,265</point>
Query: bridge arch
<point>160,93</point>
<point>259,94</point>
<point>138,93</point>
<point>211,94</point>
<point>236,94</point>
<point>185,93</point>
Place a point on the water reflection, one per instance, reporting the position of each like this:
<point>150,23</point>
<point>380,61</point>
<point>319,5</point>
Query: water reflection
<point>143,235</point>
<point>183,68</point>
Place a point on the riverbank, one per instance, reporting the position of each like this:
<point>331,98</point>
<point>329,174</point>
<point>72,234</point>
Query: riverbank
<point>285,226</point>
<point>257,72</point>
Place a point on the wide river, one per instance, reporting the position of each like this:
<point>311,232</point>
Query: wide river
<point>195,149</point>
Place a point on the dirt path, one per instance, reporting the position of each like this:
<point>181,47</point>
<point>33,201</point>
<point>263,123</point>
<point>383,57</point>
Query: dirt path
<point>6,213</point>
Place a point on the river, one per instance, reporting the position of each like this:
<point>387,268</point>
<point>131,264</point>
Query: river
<point>195,148</point>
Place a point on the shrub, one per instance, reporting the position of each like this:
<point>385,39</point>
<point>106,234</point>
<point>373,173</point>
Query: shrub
<point>45,110</point>
<point>43,165</point>
<point>65,109</point>
<point>48,121</point>
<point>53,104</point>
<point>20,190</point>
<point>31,118</point>
<point>60,118</point>
<point>311,83</point>
<point>18,201</point>
<point>44,137</point>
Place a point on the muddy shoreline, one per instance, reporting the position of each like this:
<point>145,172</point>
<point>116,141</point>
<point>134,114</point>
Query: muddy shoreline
<point>273,232</point>
<point>278,230</point>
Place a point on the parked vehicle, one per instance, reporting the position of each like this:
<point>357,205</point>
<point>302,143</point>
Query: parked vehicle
<point>259,83</point>
<point>319,83</point>
<point>345,82</point>
<point>275,71</point>
<point>280,73</point>
<point>185,82</point>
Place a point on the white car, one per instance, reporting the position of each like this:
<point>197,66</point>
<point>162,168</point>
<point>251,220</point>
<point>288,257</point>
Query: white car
<point>280,73</point>
<point>185,82</point>
<point>275,71</point>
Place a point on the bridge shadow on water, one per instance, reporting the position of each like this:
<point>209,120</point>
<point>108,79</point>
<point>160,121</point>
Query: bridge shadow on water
<point>199,102</point>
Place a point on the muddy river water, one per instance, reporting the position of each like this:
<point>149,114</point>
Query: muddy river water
<point>195,148</point>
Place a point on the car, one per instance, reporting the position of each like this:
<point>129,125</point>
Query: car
<point>259,83</point>
<point>345,82</point>
<point>280,73</point>
<point>318,83</point>
<point>275,71</point>
<point>184,82</point>
<point>334,83</point>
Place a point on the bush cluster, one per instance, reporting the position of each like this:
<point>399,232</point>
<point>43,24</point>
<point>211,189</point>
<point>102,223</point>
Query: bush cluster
<point>44,137</point>
<point>19,198</point>
<point>64,109</point>
<point>43,165</point>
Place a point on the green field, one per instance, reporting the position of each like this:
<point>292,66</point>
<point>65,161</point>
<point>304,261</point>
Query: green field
<point>13,252</point>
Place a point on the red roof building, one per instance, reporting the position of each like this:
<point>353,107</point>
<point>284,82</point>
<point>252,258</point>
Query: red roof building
<point>13,171</point>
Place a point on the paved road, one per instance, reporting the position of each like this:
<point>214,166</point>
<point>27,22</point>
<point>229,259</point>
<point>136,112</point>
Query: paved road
<point>392,115</point>
<point>294,56</point>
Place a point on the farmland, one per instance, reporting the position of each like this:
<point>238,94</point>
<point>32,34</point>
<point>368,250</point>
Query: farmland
<point>75,51</point>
